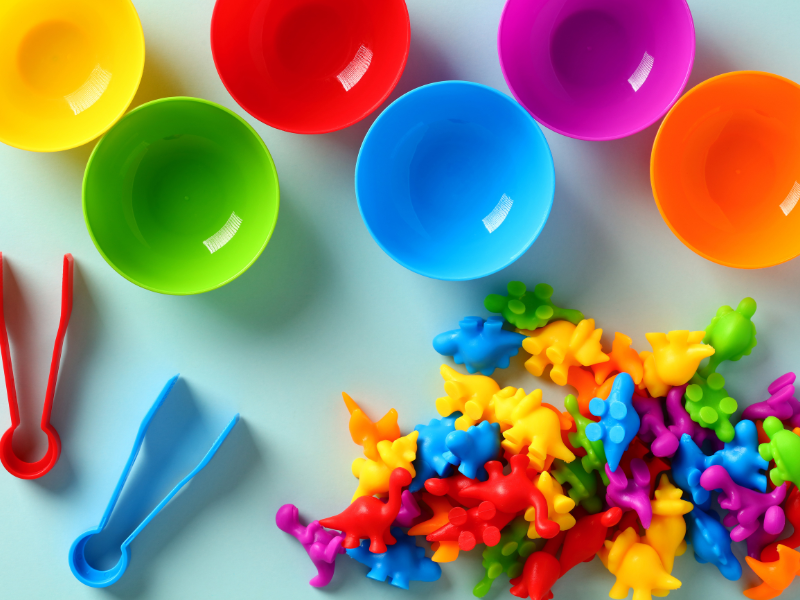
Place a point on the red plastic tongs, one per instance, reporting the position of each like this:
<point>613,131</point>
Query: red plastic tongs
<point>13,464</point>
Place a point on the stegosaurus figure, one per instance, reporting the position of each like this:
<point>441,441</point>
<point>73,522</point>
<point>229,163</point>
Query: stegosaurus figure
<point>506,557</point>
<point>710,406</point>
<point>731,333</point>
<point>529,310</point>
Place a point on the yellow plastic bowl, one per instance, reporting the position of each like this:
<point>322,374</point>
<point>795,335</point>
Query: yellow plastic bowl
<point>68,70</point>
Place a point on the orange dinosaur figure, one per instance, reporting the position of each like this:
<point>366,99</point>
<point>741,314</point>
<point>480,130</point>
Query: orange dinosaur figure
<point>776,576</point>
<point>584,382</point>
<point>366,433</point>
<point>441,507</point>
<point>621,359</point>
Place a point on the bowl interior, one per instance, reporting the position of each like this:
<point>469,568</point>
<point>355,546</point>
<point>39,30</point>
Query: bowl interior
<point>455,180</point>
<point>310,66</point>
<point>181,196</point>
<point>726,167</point>
<point>68,69</point>
<point>596,69</point>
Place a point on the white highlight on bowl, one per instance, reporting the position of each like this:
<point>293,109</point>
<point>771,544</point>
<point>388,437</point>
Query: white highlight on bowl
<point>89,93</point>
<point>642,72</point>
<point>790,201</point>
<point>224,235</point>
<point>499,213</point>
<point>353,72</point>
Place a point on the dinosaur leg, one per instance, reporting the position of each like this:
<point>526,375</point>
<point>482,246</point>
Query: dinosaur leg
<point>324,573</point>
<point>377,545</point>
<point>400,580</point>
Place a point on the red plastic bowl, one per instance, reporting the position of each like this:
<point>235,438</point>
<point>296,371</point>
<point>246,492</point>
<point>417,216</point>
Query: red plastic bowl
<point>310,66</point>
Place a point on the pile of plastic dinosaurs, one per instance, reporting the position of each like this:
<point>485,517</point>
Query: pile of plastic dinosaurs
<point>643,462</point>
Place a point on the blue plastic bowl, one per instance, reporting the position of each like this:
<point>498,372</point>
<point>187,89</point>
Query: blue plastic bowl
<point>455,180</point>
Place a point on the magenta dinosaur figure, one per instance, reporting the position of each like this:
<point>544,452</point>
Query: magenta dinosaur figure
<point>409,510</point>
<point>681,422</point>
<point>321,546</point>
<point>633,494</point>
<point>369,518</point>
<point>746,506</point>
<point>781,403</point>
<point>652,430</point>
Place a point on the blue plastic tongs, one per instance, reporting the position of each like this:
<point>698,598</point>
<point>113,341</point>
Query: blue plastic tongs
<point>80,567</point>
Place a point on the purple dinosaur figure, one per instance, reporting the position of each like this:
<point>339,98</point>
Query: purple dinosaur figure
<point>758,540</point>
<point>745,506</point>
<point>781,403</point>
<point>633,494</point>
<point>652,430</point>
<point>682,423</point>
<point>409,510</point>
<point>321,545</point>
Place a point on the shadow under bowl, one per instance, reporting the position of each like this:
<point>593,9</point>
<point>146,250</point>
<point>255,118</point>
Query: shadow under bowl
<point>181,196</point>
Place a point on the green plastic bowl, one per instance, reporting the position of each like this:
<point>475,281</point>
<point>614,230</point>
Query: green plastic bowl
<point>180,196</point>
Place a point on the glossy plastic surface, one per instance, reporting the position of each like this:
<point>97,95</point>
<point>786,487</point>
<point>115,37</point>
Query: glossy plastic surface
<point>320,544</point>
<point>181,197</point>
<point>68,70</point>
<point>455,180</point>
<point>13,464</point>
<point>83,571</point>
<point>479,345</point>
<point>596,69</point>
<point>310,66</point>
<point>402,562</point>
<point>724,169</point>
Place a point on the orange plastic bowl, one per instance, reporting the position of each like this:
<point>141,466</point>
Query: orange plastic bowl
<point>725,169</point>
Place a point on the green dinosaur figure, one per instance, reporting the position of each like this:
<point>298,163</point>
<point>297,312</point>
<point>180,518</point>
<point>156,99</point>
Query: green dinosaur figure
<point>731,333</point>
<point>508,556</point>
<point>710,406</point>
<point>595,459</point>
<point>529,310</point>
<point>583,485</point>
<point>784,448</point>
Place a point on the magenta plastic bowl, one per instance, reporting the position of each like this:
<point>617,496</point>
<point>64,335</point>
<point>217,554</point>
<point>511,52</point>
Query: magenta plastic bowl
<point>596,69</point>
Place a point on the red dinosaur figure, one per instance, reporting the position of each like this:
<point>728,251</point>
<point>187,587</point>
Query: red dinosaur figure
<point>540,573</point>
<point>452,487</point>
<point>369,518</point>
<point>586,538</point>
<point>466,528</point>
<point>513,493</point>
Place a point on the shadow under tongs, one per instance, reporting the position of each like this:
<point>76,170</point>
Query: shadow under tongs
<point>178,438</point>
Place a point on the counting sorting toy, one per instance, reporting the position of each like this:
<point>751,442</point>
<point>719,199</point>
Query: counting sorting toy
<point>321,545</point>
<point>643,464</point>
<point>480,345</point>
<point>529,310</point>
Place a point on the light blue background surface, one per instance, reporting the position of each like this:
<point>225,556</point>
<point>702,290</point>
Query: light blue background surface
<point>324,310</point>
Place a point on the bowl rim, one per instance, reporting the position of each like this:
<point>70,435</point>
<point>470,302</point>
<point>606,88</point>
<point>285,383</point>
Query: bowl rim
<point>700,86</point>
<point>538,138</point>
<point>140,52</point>
<point>272,174</point>
<point>312,131</point>
<point>600,138</point>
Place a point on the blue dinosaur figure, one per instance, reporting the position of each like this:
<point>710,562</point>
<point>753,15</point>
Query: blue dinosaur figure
<point>688,465</point>
<point>712,543</point>
<point>430,461</point>
<point>741,459</point>
<point>480,345</point>
<point>402,562</point>
<point>619,422</point>
<point>473,448</point>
